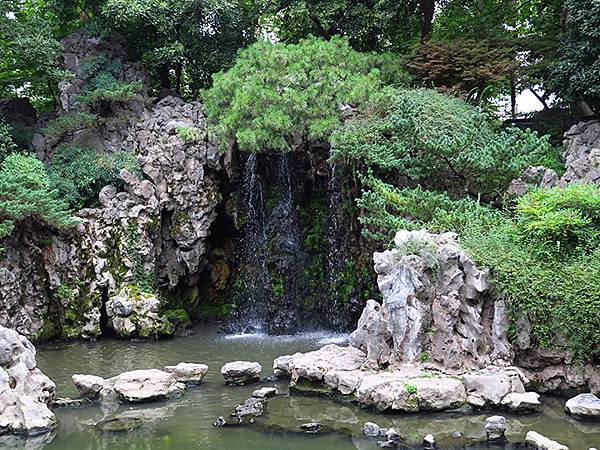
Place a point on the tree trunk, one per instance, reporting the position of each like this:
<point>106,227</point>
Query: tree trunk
<point>426,9</point>
<point>513,98</point>
<point>178,72</point>
<point>165,79</point>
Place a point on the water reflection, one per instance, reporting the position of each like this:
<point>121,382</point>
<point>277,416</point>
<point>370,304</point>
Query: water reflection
<point>186,423</point>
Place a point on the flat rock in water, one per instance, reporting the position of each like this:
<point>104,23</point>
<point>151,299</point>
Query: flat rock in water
<point>584,406</point>
<point>146,385</point>
<point>522,403</point>
<point>241,372</point>
<point>265,392</point>
<point>536,440</point>
<point>188,373</point>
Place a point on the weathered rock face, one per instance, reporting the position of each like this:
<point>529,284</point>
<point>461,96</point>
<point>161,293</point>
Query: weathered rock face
<point>188,373</point>
<point>24,390</point>
<point>147,240</point>
<point>581,156</point>
<point>438,308</point>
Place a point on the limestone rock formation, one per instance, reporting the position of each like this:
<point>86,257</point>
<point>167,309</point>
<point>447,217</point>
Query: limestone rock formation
<point>241,372</point>
<point>581,156</point>
<point>150,237</point>
<point>24,390</point>
<point>135,386</point>
<point>438,307</point>
<point>522,402</point>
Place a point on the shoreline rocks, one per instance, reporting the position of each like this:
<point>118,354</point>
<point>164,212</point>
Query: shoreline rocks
<point>238,373</point>
<point>25,391</point>
<point>408,387</point>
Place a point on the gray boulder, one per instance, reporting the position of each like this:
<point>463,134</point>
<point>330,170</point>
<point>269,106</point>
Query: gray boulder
<point>241,372</point>
<point>188,373</point>
<point>584,406</point>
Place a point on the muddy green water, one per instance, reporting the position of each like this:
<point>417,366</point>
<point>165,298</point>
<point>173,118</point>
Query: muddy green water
<point>186,423</point>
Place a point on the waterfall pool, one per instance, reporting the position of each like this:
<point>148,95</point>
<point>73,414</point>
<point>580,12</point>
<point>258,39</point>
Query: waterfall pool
<point>186,423</point>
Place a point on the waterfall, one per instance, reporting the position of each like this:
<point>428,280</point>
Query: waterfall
<point>253,253</point>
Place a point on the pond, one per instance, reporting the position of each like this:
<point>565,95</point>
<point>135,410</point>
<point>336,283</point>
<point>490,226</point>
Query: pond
<point>186,423</point>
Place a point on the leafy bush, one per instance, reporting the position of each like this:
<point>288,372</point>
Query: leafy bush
<point>282,96</point>
<point>441,143</point>
<point>387,209</point>
<point>117,92</point>
<point>26,192</point>
<point>561,219</point>
<point>78,174</point>
<point>69,123</point>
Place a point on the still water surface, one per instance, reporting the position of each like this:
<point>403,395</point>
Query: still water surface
<point>186,423</point>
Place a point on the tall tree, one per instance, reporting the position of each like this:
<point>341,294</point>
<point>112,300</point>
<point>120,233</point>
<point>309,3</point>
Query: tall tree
<point>183,42</point>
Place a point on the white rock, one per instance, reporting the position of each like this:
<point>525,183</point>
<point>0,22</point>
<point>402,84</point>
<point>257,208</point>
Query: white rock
<point>265,392</point>
<point>429,441</point>
<point>522,403</point>
<point>241,372</point>
<point>538,441</point>
<point>188,373</point>
<point>584,406</point>
<point>89,386</point>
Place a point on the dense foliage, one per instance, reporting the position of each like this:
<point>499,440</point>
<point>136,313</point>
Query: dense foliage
<point>26,192</point>
<point>440,143</point>
<point>577,74</point>
<point>6,142</point>
<point>78,174</point>
<point>283,96</point>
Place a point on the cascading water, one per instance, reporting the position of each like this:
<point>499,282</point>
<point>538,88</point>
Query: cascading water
<point>285,252</point>
<point>253,254</point>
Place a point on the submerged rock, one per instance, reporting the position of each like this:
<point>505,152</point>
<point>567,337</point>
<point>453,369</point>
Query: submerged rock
<point>25,391</point>
<point>584,406</point>
<point>188,373</point>
<point>119,424</point>
<point>265,392</point>
<point>540,442</point>
<point>241,372</point>
<point>135,386</point>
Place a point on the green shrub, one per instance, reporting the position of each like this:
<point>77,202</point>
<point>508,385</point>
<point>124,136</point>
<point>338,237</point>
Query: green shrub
<point>561,218</point>
<point>26,192</point>
<point>78,174</point>
<point>386,209</point>
<point>7,145</point>
<point>69,123</point>
<point>117,92</point>
<point>440,142</point>
<point>281,96</point>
